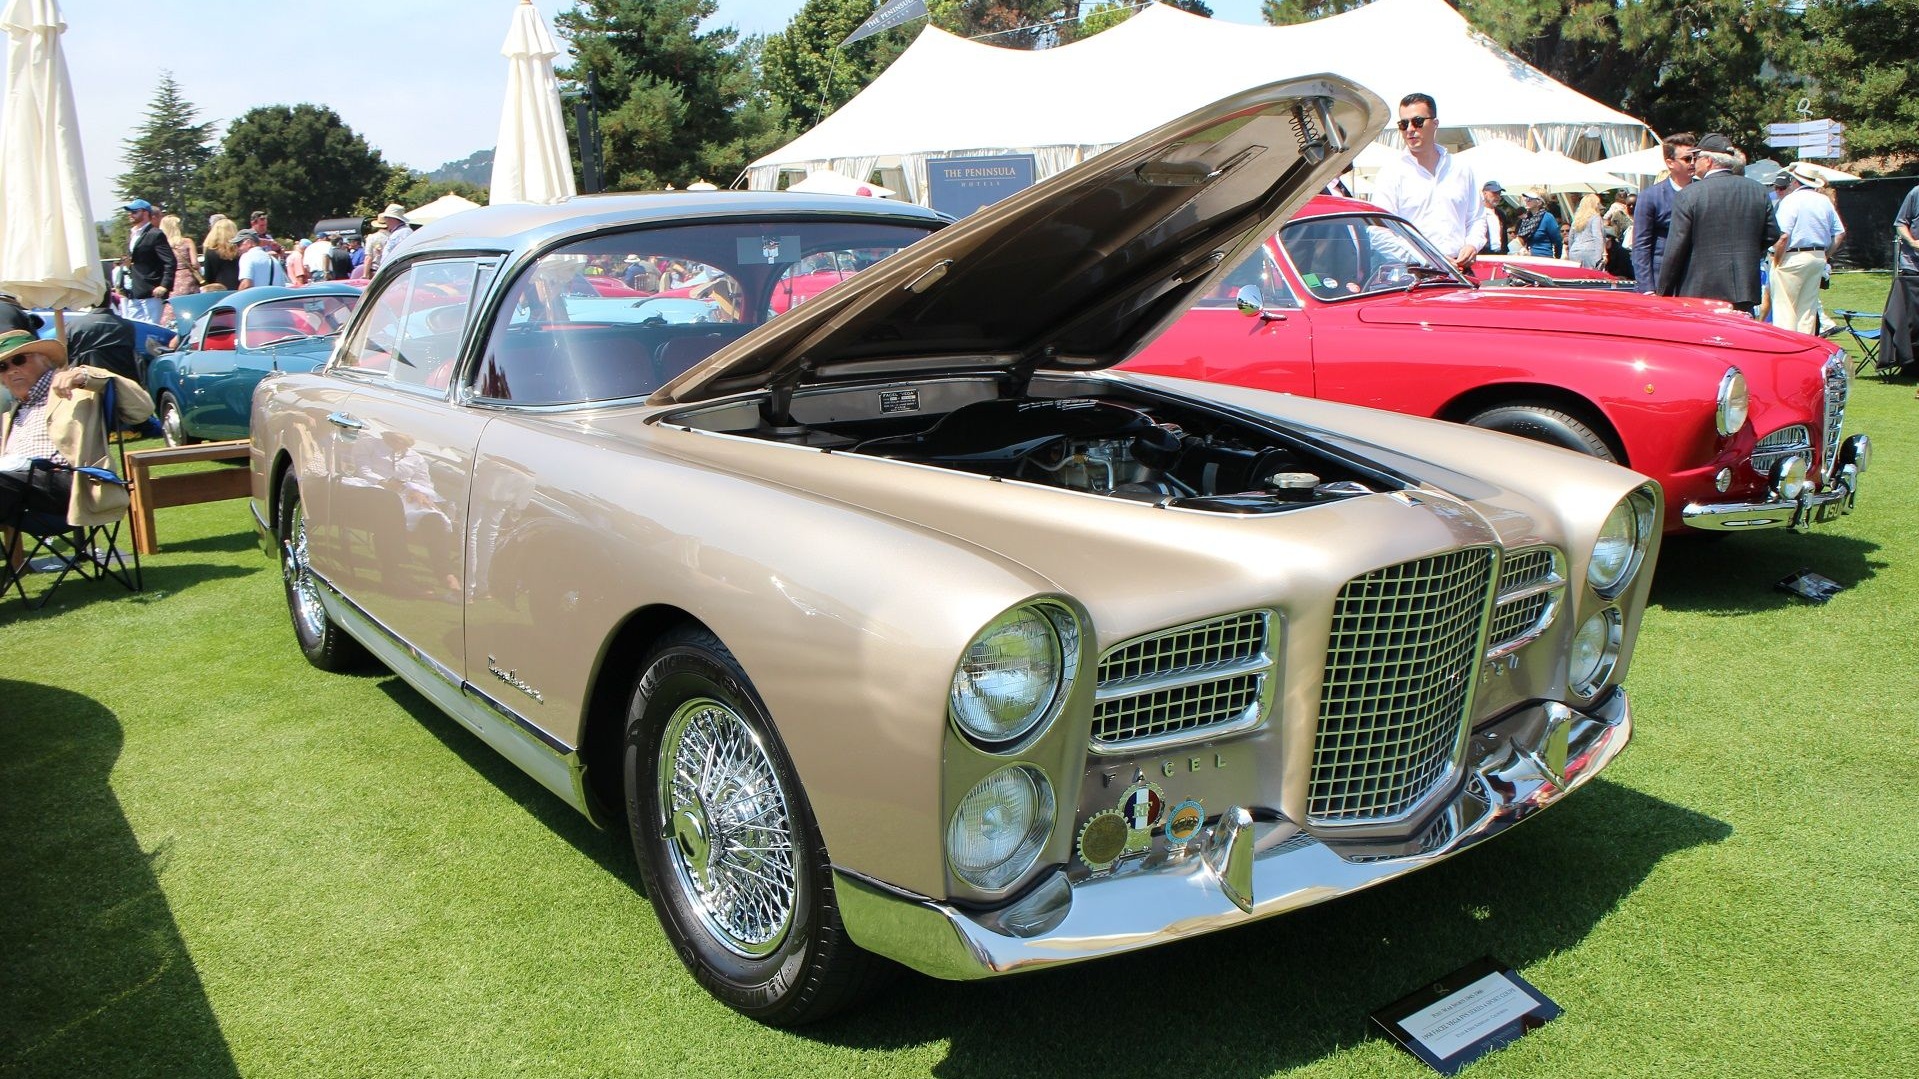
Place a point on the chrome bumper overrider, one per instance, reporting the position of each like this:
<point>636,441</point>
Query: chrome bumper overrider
<point>1809,508</point>
<point>1240,869</point>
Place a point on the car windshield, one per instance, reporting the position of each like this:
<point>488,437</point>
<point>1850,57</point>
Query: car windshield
<point>620,314</point>
<point>293,318</point>
<point>1362,254</point>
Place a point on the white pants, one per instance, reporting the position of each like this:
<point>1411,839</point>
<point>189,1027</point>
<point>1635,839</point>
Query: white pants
<point>147,310</point>
<point>1794,286</point>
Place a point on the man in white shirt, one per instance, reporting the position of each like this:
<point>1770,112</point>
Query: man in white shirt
<point>1430,187</point>
<point>1809,231</point>
<point>258,267</point>
<point>319,259</point>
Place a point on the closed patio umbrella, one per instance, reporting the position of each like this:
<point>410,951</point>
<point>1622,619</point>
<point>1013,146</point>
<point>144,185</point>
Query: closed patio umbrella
<point>531,162</point>
<point>49,253</point>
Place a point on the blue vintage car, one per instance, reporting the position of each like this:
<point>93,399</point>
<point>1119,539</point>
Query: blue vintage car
<point>204,389</point>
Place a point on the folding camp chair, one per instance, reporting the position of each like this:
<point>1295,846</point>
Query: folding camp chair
<point>1866,333</point>
<point>66,549</point>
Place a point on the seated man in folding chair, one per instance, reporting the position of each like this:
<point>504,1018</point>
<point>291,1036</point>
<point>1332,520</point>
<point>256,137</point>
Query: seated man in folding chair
<point>56,415</point>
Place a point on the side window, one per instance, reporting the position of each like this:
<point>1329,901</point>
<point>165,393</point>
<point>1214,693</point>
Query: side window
<point>1260,271</point>
<point>412,329</point>
<point>218,330</point>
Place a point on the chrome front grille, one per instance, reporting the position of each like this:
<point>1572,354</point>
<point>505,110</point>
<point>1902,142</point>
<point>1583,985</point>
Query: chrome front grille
<point>1531,583</point>
<point>1780,445</point>
<point>1400,665</point>
<point>1838,389</point>
<point>1195,680</point>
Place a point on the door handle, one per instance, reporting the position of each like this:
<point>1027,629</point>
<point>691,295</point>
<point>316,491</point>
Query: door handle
<point>341,419</point>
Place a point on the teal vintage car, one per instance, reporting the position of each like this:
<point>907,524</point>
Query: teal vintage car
<point>204,388</point>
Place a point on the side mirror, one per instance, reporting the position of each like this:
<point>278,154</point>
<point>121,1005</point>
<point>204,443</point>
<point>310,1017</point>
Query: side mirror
<point>1252,304</point>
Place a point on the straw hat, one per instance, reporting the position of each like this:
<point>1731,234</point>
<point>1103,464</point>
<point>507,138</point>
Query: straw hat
<point>24,341</point>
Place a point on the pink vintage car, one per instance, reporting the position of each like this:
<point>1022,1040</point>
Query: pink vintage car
<point>1741,423</point>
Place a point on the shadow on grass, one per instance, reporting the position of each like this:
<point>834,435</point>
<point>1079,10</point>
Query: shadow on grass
<point>225,543</point>
<point>609,848</point>
<point>94,977</point>
<point>1285,992</point>
<point>157,583</point>
<point>1737,574</point>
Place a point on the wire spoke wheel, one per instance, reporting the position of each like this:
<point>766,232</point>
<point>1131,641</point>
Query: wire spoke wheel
<point>728,827</point>
<point>301,588</point>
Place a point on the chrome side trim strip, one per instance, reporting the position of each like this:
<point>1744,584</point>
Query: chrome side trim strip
<point>551,762</point>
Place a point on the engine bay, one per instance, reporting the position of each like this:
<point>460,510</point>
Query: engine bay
<point>1097,438</point>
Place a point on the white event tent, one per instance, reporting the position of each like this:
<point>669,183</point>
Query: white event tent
<point>950,97</point>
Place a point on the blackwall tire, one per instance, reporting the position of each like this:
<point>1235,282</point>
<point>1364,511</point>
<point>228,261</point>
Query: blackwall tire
<point>1549,425</point>
<point>727,847</point>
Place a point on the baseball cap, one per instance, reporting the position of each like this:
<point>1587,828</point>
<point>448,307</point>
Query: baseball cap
<point>138,204</point>
<point>1492,186</point>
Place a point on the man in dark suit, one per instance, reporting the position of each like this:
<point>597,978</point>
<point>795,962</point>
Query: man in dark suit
<point>1652,218</point>
<point>152,262</point>
<point>1722,224</point>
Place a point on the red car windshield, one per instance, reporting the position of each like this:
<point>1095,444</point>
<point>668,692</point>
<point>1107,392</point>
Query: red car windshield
<point>1360,255</point>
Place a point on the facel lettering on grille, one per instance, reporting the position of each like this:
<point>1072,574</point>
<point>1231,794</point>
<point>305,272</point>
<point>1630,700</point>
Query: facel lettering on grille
<point>1170,768</point>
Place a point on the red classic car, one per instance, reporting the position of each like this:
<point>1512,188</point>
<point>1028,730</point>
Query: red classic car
<point>1739,421</point>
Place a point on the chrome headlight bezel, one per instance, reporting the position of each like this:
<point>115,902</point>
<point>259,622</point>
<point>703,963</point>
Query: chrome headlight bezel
<point>1600,635</point>
<point>1733,404</point>
<point>1041,814</point>
<point>969,707</point>
<point>1620,547</point>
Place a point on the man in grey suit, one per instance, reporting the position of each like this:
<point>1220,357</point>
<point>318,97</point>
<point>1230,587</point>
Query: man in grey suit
<point>1722,224</point>
<point>1652,217</point>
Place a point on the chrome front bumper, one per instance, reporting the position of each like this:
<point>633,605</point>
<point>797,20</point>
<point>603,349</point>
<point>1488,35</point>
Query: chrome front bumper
<point>1239,870</point>
<point>1780,511</point>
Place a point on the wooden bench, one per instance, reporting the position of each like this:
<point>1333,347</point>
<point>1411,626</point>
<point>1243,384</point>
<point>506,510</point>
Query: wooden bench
<point>151,492</point>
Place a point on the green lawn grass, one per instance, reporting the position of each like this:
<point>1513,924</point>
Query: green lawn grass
<point>215,860</point>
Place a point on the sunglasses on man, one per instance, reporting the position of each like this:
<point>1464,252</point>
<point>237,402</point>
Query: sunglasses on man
<point>15,361</point>
<point>1414,121</point>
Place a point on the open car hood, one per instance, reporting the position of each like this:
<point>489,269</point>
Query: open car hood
<point>1077,272</point>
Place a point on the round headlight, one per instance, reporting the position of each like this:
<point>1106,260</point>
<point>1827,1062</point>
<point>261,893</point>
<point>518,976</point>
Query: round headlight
<point>1734,402</point>
<point>1000,827</point>
<point>1595,650</point>
<point>1622,539</point>
<point>1010,676</point>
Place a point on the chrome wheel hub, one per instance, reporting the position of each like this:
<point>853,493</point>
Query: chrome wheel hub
<point>301,587</point>
<point>728,827</point>
<point>171,426</point>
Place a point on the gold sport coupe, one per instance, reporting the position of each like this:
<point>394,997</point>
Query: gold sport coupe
<point>897,628</point>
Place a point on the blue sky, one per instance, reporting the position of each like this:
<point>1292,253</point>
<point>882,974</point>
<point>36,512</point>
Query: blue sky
<point>421,80</point>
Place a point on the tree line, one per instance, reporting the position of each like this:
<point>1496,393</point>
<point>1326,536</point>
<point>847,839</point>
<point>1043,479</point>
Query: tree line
<point>680,102</point>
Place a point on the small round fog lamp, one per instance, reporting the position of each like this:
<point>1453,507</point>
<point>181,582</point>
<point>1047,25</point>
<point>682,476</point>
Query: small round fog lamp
<point>1789,477</point>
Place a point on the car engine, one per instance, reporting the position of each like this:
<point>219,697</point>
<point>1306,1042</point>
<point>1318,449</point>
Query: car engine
<point>1111,448</point>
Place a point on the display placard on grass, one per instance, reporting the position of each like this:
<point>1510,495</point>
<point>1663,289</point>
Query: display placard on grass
<point>1465,1015</point>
